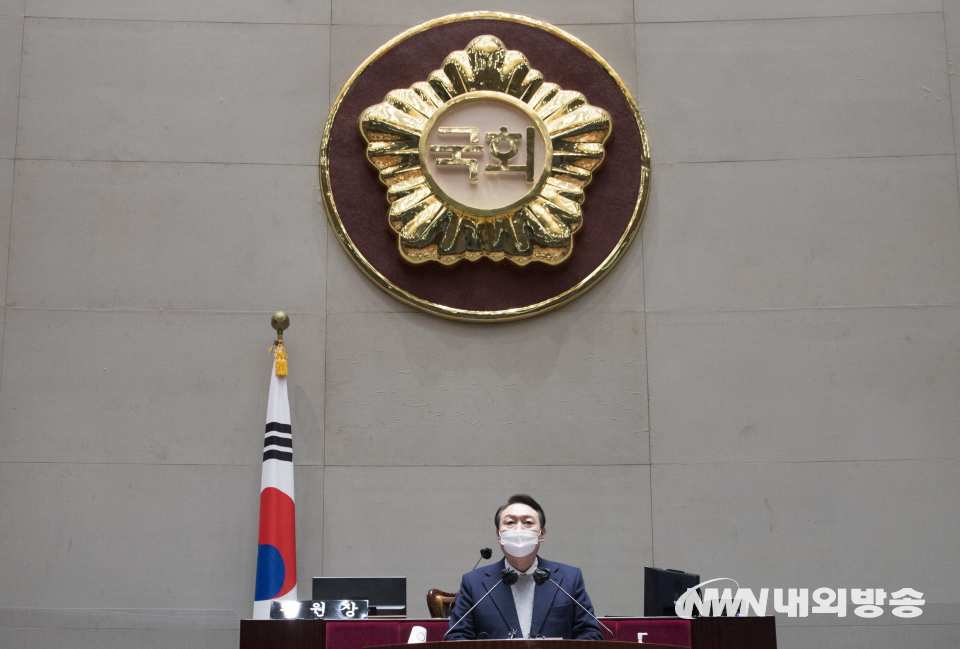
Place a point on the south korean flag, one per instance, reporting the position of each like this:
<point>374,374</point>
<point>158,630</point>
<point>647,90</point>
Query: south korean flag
<point>277,549</point>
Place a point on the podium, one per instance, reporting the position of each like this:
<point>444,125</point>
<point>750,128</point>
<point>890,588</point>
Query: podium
<point>698,633</point>
<point>532,644</point>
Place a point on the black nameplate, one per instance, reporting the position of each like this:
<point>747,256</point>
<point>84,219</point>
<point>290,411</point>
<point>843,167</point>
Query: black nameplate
<point>319,609</point>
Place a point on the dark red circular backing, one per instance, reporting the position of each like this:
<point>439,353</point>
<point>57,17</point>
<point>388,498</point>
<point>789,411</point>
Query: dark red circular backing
<point>485,285</point>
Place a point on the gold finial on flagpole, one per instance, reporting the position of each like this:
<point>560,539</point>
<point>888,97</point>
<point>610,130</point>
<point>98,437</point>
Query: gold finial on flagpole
<point>280,321</point>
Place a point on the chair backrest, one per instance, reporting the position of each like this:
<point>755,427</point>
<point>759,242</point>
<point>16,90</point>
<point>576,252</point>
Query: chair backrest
<point>439,602</point>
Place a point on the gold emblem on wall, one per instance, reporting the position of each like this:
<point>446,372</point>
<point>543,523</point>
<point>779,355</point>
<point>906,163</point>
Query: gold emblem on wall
<point>485,143</point>
<point>457,191</point>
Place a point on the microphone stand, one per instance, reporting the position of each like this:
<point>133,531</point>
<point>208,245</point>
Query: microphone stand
<point>541,575</point>
<point>507,576</point>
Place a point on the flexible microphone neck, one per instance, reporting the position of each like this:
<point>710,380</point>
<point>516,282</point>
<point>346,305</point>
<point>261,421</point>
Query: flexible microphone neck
<point>506,575</point>
<point>541,575</point>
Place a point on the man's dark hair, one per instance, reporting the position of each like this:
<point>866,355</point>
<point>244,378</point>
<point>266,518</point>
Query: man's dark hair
<point>523,499</point>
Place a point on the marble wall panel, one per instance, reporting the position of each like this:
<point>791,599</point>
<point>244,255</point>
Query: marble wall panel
<point>246,11</point>
<point>171,236</point>
<point>384,12</point>
<point>122,535</point>
<point>152,386</point>
<point>11,8</point>
<point>150,536</point>
<point>173,91</point>
<point>806,385</point>
<point>382,520</point>
<point>113,618</point>
<point>843,87</point>
<point>85,628</point>
<point>11,35</point>
<point>118,639</point>
<point>654,11</point>
<point>803,233</point>
<point>411,389</point>
<point>812,524</point>
<point>308,488</point>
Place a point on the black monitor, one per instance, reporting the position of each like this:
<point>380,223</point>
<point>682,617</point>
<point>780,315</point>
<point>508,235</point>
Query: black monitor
<point>662,588</point>
<point>386,595</point>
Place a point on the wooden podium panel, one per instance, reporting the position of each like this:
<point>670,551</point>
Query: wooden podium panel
<point>733,633</point>
<point>282,634</point>
<point>270,634</point>
<point>532,644</point>
<point>704,633</point>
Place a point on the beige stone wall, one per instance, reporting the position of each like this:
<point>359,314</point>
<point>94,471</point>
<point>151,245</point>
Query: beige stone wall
<point>767,388</point>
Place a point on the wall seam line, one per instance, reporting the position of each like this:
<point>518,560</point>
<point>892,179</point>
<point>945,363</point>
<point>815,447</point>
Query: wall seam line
<point>953,117</point>
<point>646,343</point>
<point>326,318</point>
<point>13,177</point>
<point>251,23</point>
<point>314,165</point>
<point>774,18</point>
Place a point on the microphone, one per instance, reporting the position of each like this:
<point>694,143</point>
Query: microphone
<point>541,575</point>
<point>485,553</point>
<point>507,576</point>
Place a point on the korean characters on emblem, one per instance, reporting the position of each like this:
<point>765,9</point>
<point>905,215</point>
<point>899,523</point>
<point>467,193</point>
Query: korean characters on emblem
<point>495,142</point>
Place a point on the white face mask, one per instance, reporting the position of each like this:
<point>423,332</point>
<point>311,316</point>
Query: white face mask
<point>519,543</point>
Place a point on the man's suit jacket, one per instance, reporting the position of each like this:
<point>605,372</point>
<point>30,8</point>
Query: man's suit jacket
<point>554,614</point>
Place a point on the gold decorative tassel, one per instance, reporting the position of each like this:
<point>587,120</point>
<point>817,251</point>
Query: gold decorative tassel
<point>280,321</point>
<point>281,355</point>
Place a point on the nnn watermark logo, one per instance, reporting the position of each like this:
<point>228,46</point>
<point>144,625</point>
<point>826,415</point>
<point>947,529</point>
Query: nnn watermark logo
<point>716,603</point>
<point>795,602</point>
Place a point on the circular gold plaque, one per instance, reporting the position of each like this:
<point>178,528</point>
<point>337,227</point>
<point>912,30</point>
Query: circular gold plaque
<point>416,242</point>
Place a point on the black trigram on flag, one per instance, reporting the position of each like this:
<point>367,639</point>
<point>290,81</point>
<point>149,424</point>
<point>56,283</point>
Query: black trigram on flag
<point>278,442</point>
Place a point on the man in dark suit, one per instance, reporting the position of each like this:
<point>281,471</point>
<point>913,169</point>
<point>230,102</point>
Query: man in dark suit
<point>522,610</point>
